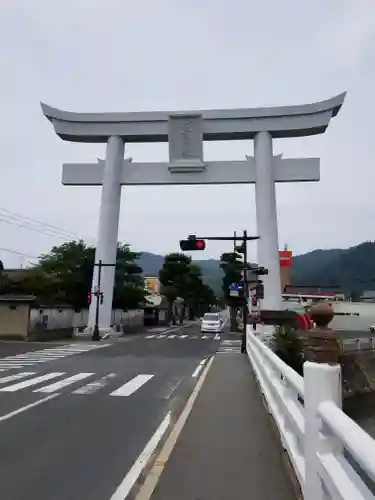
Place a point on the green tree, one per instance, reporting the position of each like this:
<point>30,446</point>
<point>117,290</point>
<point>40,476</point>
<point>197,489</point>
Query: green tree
<point>173,278</point>
<point>231,264</point>
<point>197,294</point>
<point>64,275</point>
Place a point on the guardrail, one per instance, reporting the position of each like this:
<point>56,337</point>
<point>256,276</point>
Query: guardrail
<point>358,344</point>
<point>315,432</point>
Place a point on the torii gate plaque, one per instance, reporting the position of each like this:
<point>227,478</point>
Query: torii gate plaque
<point>185,131</point>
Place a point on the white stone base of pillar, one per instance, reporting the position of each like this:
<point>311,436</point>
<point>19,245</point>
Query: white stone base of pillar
<point>103,332</point>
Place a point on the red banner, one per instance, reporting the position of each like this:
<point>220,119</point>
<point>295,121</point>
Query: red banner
<point>285,258</point>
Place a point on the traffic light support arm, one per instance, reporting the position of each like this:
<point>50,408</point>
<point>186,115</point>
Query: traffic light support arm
<point>228,238</point>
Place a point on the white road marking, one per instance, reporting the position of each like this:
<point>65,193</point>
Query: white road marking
<point>183,336</point>
<point>160,336</point>
<point>131,477</point>
<point>9,367</point>
<point>16,376</point>
<point>28,383</point>
<point>205,336</point>
<point>95,385</point>
<point>28,407</point>
<point>150,336</point>
<point>131,386</point>
<point>154,474</point>
<point>45,355</point>
<point>64,383</point>
<point>198,369</point>
<point>217,337</point>
<point>171,336</point>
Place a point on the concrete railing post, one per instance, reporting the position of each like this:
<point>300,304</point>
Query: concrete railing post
<point>322,382</point>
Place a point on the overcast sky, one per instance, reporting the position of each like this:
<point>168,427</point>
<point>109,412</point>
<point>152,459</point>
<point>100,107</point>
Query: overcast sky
<point>126,55</point>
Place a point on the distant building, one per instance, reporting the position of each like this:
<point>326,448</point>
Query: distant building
<point>152,285</point>
<point>368,296</point>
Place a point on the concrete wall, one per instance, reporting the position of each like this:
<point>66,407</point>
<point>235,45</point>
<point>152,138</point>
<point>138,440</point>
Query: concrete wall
<point>14,320</point>
<point>66,318</point>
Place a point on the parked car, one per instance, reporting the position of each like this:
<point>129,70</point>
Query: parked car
<point>212,323</point>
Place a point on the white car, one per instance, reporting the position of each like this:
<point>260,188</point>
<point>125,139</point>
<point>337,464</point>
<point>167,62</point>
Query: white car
<point>211,323</point>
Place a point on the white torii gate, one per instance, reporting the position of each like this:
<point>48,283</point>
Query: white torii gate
<point>185,132</point>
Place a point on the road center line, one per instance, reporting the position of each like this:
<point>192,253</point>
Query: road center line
<point>28,407</point>
<point>131,477</point>
<point>198,369</point>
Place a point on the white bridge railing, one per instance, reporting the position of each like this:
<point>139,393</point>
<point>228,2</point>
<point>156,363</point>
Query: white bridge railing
<point>320,439</point>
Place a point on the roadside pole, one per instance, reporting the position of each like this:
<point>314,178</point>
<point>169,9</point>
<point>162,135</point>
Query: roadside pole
<point>99,297</point>
<point>246,296</point>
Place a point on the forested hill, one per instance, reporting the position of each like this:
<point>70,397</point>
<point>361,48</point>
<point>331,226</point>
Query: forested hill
<point>352,269</point>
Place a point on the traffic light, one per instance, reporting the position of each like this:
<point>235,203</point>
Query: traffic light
<point>89,298</point>
<point>192,244</point>
<point>254,301</point>
<point>260,291</point>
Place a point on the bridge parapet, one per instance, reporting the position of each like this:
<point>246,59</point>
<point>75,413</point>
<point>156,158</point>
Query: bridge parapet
<point>314,430</point>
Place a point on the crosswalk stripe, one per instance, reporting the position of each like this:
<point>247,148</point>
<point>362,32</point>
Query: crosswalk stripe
<point>150,336</point>
<point>160,336</point>
<point>16,376</point>
<point>205,337</point>
<point>183,336</point>
<point>131,386</point>
<point>95,385</point>
<point>171,336</point>
<point>64,383</point>
<point>9,367</point>
<point>28,383</point>
<point>45,355</point>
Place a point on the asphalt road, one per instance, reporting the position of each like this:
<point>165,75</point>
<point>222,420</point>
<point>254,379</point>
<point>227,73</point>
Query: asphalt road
<point>73,421</point>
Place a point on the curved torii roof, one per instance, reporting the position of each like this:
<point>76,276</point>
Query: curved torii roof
<point>224,124</point>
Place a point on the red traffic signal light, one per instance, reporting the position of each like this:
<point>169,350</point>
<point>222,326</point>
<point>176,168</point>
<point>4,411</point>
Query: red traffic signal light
<point>254,301</point>
<point>192,244</point>
<point>89,298</point>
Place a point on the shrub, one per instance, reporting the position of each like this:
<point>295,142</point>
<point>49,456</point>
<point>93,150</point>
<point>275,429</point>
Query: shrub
<point>288,346</point>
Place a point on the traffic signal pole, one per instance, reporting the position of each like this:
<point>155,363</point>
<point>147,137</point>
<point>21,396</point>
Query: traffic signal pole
<point>188,245</point>
<point>246,305</point>
<point>99,297</point>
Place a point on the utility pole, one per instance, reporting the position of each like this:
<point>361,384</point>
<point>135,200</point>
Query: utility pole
<point>1,275</point>
<point>99,297</point>
<point>246,305</point>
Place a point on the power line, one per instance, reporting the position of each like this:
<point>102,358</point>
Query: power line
<point>35,230</point>
<point>56,228</point>
<point>18,253</point>
<point>50,230</point>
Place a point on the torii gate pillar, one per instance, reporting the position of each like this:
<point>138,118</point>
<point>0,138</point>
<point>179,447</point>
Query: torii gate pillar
<point>266,217</point>
<point>106,247</point>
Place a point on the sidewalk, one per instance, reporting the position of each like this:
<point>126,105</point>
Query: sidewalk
<point>228,449</point>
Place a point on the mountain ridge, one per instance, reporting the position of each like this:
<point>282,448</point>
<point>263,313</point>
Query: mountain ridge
<point>352,269</point>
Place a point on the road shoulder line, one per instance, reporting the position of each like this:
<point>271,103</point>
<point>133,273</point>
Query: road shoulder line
<point>157,468</point>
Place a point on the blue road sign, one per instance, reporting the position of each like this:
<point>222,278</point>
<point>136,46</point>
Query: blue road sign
<point>236,286</point>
